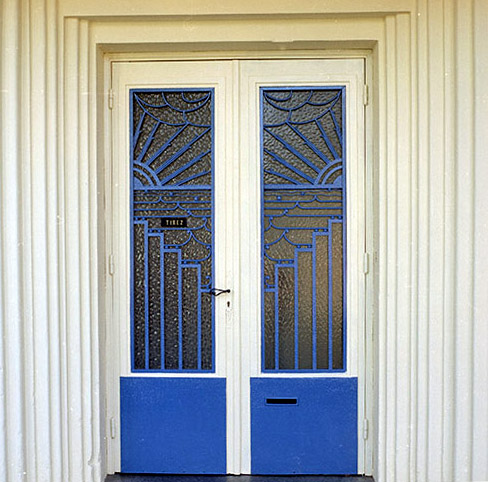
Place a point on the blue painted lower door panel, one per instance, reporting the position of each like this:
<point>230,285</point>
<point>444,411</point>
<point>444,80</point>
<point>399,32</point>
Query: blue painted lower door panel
<point>173,425</point>
<point>304,426</point>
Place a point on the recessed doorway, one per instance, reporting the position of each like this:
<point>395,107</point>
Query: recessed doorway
<point>238,234</point>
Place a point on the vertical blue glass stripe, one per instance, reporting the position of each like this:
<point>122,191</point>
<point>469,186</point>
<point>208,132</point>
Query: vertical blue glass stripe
<point>180,313</point>
<point>344,228</point>
<point>331,317</point>
<point>295,278</point>
<point>199,316</point>
<point>277,321</point>
<point>261,190</point>
<point>161,284</point>
<point>212,166</point>
<point>314,302</point>
<point>147,143</point>
<point>146,292</point>
<point>132,257</point>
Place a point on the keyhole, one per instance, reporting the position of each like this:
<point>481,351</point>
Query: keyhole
<point>228,304</point>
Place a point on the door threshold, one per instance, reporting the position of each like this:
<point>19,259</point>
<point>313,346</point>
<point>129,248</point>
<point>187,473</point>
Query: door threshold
<point>237,478</point>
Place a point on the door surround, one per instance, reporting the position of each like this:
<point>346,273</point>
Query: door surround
<point>365,388</point>
<point>71,54</point>
<point>362,388</point>
<point>106,48</point>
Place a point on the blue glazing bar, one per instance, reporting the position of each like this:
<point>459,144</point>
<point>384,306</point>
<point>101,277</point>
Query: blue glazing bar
<point>148,143</point>
<point>146,172</point>
<point>314,301</point>
<point>294,229</point>
<point>276,313</point>
<point>283,176</point>
<point>180,313</point>
<point>330,174</point>
<point>327,140</point>
<point>282,235</point>
<point>193,187</point>
<point>146,294</point>
<point>181,151</point>
<point>308,215</point>
<point>203,99</point>
<point>164,250</point>
<point>310,144</point>
<point>276,105</point>
<point>165,191</point>
<point>295,271</point>
<point>184,167</point>
<point>162,148</point>
<point>337,127</point>
<point>199,315</point>
<point>291,203</point>
<point>137,133</point>
<point>191,178</point>
<point>142,103</point>
<point>331,318</point>
<point>292,150</point>
<point>284,210</point>
<point>157,213</point>
<point>161,284</point>
<point>285,163</point>
<point>199,310</point>
<point>133,367</point>
<point>297,187</point>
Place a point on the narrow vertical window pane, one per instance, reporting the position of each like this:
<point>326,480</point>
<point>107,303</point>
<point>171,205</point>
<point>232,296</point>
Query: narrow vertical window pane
<point>172,209</point>
<point>303,213</point>
<point>154,293</point>
<point>305,312</point>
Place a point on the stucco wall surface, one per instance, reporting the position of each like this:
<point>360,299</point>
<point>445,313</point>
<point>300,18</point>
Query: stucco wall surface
<point>430,145</point>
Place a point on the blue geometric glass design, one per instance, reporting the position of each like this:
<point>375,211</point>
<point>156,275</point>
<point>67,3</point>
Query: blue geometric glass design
<point>172,137</point>
<point>172,237</point>
<point>303,245</point>
<point>302,136</point>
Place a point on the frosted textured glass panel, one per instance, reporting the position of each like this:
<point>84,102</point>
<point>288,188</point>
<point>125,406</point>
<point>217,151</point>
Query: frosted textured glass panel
<point>337,297</point>
<point>172,143</point>
<point>286,318</point>
<point>172,137</point>
<point>322,300</point>
<point>300,238</point>
<point>154,292</point>
<point>305,313</point>
<point>190,318</point>
<point>207,332</point>
<point>302,131</point>
<point>269,330</point>
<point>171,311</point>
<point>139,303</point>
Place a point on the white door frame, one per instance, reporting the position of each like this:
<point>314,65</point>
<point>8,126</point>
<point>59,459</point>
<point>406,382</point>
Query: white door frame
<point>227,313</point>
<point>260,73</point>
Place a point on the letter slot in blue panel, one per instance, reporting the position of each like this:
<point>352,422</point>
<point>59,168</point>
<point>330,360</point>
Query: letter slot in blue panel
<point>173,425</point>
<point>304,426</point>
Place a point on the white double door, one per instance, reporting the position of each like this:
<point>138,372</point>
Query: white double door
<point>237,174</point>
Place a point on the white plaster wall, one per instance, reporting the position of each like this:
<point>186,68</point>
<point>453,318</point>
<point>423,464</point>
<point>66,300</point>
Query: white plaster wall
<point>430,157</point>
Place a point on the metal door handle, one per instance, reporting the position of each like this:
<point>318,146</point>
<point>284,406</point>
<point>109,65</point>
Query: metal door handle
<point>217,291</point>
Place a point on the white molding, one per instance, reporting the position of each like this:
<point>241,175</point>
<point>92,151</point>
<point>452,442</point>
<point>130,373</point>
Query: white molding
<point>153,9</point>
<point>480,278</point>
<point>12,396</point>
<point>438,274</point>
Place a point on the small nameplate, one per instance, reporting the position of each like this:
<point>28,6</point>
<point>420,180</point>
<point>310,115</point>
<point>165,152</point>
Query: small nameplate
<point>174,222</point>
